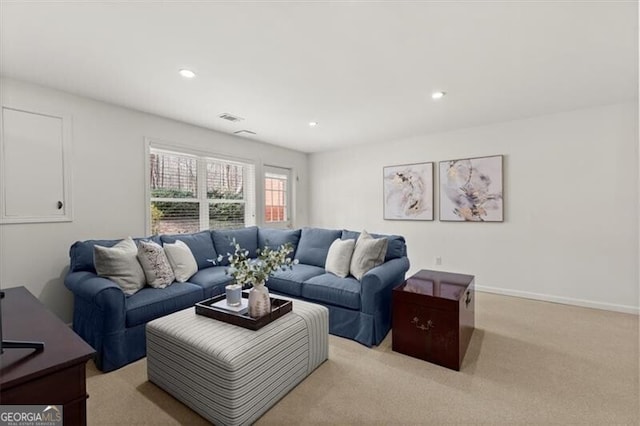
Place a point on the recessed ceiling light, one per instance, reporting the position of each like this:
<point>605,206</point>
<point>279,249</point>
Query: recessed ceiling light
<point>187,73</point>
<point>313,123</point>
<point>438,95</point>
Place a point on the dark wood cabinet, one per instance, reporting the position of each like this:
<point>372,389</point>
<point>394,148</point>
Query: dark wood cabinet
<point>53,376</point>
<point>433,317</point>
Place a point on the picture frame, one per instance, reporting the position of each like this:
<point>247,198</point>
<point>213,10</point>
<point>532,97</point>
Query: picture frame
<point>471,189</point>
<point>408,191</point>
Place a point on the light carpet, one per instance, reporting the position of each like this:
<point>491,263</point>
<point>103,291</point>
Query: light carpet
<point>528,362</point>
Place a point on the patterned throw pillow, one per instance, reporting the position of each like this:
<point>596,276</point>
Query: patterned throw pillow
<point>155,264</point>
<point>120,264</point>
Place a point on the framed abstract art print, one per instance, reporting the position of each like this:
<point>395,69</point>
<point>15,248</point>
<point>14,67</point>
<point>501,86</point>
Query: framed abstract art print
<point>408,192</point>
<point>471,190</point>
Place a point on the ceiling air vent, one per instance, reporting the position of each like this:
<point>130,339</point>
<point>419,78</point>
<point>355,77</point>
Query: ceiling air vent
<point>229,117</point>
<point>244,132</point>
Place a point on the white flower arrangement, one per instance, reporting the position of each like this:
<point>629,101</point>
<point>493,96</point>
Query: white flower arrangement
<point>245,270</point>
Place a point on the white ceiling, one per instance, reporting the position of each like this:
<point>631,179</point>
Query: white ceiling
<point>363,71</point>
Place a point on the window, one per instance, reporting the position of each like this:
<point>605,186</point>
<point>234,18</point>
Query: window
<point>190,193</point>
<point>225,193</point>
<point>277,196</point>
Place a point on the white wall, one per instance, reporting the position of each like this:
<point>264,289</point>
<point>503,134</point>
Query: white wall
<point>571,205</point>
<point>108,184</point>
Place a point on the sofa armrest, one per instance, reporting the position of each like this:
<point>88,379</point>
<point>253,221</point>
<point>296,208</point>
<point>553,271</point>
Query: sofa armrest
<point>88,285</point>
<point>100,295</point>
<point>377,284</point>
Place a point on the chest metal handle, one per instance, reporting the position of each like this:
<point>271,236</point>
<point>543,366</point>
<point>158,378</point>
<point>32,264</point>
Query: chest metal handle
<point>424,327</point>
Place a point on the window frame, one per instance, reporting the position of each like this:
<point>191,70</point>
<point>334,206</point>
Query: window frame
<point>202,157</point>
<point>288,199</point>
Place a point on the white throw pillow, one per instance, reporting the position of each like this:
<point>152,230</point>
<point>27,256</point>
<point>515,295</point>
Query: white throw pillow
<point>368,253</point>
<point>339,257</point>
<point>120,264</point>
<point>155,264</point>
<point>182,262</point>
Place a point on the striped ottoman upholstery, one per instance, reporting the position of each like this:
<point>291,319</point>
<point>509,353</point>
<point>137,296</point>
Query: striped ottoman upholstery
<point>231,375</point>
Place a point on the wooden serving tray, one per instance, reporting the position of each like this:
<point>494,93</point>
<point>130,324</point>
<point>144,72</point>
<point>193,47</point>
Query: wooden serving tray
<point>279,307</point>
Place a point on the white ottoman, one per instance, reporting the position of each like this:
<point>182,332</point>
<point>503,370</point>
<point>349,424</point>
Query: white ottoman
<point>231,375</point>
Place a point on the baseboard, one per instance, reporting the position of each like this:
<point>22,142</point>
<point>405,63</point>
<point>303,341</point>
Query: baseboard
<point>627,309</point>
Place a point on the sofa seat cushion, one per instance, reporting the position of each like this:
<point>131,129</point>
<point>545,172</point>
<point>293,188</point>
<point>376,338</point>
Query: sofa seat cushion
<point>328,288</point>
<point>290,281</point>
<point>151,303</point>
<point>210,278</point>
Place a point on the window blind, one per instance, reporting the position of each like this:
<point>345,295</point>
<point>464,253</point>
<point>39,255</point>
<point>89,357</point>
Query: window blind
<point>191,193</point>
<point>229,191</point>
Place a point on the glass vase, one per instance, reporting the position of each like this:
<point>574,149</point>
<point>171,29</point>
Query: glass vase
<point>234,294</point>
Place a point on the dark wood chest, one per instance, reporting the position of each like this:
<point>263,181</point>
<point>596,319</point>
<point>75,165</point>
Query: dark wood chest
<point>52,376</point>
<point>433,317</point>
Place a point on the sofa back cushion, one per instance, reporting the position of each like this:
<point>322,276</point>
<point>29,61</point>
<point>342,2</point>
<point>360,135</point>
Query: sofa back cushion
<point>396,246</point>
<point>246,237</point>
<point>81,252</point>
<point>274,238</point>
<point>200,244</point>
<point>314,245</point>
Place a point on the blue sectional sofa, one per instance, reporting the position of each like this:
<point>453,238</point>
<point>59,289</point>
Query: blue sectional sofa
<point>114,323</point>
